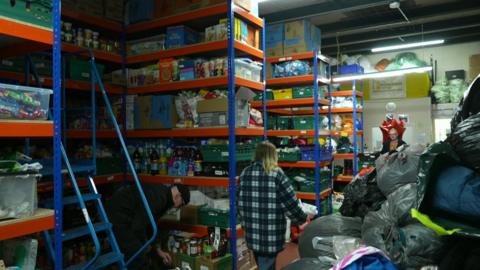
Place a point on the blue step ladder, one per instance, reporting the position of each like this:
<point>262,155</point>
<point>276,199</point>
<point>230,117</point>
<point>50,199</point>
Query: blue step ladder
<point>114,256</point>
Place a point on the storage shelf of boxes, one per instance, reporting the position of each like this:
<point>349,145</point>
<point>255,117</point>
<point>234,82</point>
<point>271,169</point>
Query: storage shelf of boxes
<point>347,105</point>
<point>24,115</point>
<point>188,142</point>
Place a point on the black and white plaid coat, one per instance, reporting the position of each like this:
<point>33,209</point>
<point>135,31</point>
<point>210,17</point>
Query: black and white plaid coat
<point>263,202</point>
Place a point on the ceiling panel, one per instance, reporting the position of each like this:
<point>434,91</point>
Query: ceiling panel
<point>271,6</point>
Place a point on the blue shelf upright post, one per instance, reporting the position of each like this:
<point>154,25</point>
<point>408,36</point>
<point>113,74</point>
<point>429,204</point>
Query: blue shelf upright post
<point>57,132</point>
<point>316,148</point>
<point>264,97</point>
<point>363,126</point>
<point>330,148</point>
<point>94,121</point>
<point>124,95</point>
<point>231,132</point>
<point>355,146</point>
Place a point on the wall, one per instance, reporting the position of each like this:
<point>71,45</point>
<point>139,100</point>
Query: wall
<point>449,57</point>
<point>419,128</point>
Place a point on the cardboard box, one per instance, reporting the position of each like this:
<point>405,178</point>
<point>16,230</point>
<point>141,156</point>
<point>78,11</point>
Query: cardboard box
<point>184,260</point>
<point>189,214</point>
<point>274,49</point>
<point>155,112</point>
<point>213,119</point>
<point>220,105</point>
<point>140,10</point>
<point>182,6</point>
<point>296,46</point>
<point>474,66</point>
<point>298,29</point>
<point>163,8</point>
<point>114,10</point>
<point>245,4</point>
<point>275,33</point>
<point>222,263</point>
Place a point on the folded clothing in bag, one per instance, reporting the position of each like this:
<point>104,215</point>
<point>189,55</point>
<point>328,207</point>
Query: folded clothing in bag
<point>457,192</point>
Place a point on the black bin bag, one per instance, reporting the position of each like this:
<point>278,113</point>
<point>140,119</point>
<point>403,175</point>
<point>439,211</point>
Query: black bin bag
<point>465,140</point>
<point>469,105</point>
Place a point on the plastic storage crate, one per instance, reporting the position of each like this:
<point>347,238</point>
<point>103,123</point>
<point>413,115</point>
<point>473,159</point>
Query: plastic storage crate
<point>24,103</point>
<point>309,186</point>
<point>271,122</point>
<point>247,69</point>
<point>269,96</point>
<point>303,122</point>
<point>308,153</point>
<point>282,94</point>
<point>80,70</point>
<point>18,195</point>
<point>38,13</point>
<point>214,217</point>
<point>289,156</point>
<point>220,153</point>
<point>284,123</point>
<point>303,92</point>
<point>350,69</point>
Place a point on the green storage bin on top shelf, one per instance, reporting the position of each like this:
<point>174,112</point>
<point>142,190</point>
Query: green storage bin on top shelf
<point>80,69</point>
<point>38,14</point>
<point>220,153</point>
<point>303,92</point>
<point>214,217</point>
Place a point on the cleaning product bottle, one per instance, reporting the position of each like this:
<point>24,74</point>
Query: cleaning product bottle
<point>137,160</point>
<point>153,162</point>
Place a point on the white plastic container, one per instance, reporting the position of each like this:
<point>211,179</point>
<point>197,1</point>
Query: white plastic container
<point>18,195</point>
<point>248,69</point>
<point>24,103</point>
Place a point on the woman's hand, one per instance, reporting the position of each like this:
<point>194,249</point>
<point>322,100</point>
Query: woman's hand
<point>167,260</point>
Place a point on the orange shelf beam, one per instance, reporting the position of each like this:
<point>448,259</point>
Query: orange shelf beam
<point>193,132</point>
<point>92,20</point>
<point>17,29</point>
<point>345,94</point>
<point>199,230</point>
<point>193,84</point>
<point>310,133</point>
<point>216,10</point>
<point>343,178</point>
<point>311,196</point>
<point>82,182</point>
<point>85,134</point>
<point>343,156</point>
<point>42,220</point>
<point>342,110</point>
<point>289,103</point>
<point>310,111</point>
<point>30,129</point>
<point>194,49</point>
<point>306,79</point>
<point>337,133</point>
<point>185,180</point>
<point>114,58</point>
<point>302,164</point>
<point>299,56</point>
<point>70,84</point>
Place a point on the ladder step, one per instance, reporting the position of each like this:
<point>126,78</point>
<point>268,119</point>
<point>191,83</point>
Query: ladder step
<point>102,261</point>
<point>82,231</point>
<point>72,200</point>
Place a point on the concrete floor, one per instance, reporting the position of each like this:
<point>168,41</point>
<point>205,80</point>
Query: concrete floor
<point>287,256</point>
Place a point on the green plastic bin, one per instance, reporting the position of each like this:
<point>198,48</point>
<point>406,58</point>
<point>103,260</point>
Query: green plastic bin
<point>284,123</point>
<point>214,217</point>
<point>303,92</point>
<point>220,153</point>
<point>303,122</point>
<point>80,69</point>
<point>39,14</point>
<point>289,156</point>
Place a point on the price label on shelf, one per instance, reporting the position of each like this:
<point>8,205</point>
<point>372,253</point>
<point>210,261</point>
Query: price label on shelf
<point>177,181</point>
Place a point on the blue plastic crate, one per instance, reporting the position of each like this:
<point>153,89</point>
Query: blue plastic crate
<point>179,36</point>
<point>350,69</point>
<point>308,153</point>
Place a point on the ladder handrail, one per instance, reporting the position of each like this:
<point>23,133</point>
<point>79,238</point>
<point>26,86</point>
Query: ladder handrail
<point>129,161</point>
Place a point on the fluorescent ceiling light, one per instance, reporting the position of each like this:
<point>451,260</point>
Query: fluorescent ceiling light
<point>383,74</point>
<point>408,45</point>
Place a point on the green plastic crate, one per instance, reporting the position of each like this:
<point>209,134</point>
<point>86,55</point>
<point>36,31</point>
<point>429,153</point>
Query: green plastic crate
<point>220,153</point>
<point>258,97</point>
<point>303,92</point>
<point>289,156</point>
<point>309,186</point>
<point>80,69</point>
<point>271,122</point>
<point>303,122</point>
<point>284,123</point>
<point>39,14</point>
<point>43,65</point>
<point>15,64</point>
<point>214,217</point>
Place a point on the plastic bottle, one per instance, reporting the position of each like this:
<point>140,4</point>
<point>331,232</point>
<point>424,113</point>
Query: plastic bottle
<point>137,160</point>
<point>163,166</point>
<point>154,162</point>
<point>198,163</point>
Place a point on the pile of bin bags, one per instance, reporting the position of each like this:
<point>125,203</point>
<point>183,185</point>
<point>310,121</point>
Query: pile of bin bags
<point>442,182</point>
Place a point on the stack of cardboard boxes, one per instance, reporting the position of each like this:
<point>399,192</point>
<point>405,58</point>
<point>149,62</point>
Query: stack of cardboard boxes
<point>293,37</point>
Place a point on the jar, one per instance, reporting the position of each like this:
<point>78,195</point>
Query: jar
<point>88,34</point>
<point>95,35</point>
<point>68,26</point>
<point>88,43</point>
<point>68,37</point>
<point>80,42</point>
<point>193,248</point>
<point>96,44</point>
<point>103,45</point>
<point>109,46</point>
